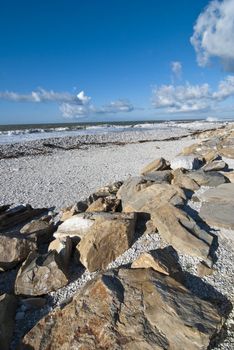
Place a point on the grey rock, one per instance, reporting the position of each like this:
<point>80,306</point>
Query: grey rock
<point>14,250</point>
<point>40,274</point>
<point>163,176</point>
<point>209,178</point>
<point>215,165</point>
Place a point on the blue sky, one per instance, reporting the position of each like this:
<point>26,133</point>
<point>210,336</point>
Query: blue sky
<point>77,60</point>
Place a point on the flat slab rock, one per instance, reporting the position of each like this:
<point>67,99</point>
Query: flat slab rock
<point>128,309</point>
<point>142,197</point>
<point>208,178</point>
<point>218,208</point>
<point>182,232</point>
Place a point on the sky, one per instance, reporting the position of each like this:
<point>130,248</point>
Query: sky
<point>99,60</point>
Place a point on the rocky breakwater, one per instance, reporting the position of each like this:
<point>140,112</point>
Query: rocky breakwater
<point>132,300</point>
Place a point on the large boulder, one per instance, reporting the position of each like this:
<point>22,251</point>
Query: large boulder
<point>8,305</point>
<point>218,206</point>
<point>110,236</point>
<point>14,250</point>
<point>155,165</point>
<point>147,200</point>
<point>131,187</point>
<point>40,274</point>
<point>209,178</point>
<point>181,231</point>
<point>128,309</point>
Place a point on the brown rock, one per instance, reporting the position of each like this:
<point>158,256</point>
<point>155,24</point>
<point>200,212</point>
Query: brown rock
<point>64,248</point>
<point>184,181</point>
<point>211,156</point>
<point>105,204</point>
<point>40,274</point>
<point>148,199</point>
<point>161,260</point>
<point>108,238</point>
<point>68,212</point>
<point>8,305</point>
<point>41,228</point>
<point>181,231</point>
<point>204,270</point>
<point>129,309</point>
<point>14,250</point>
<point>158,164</point>
<point>13,216</point>
<point>109,190</point>
<point>227,152</point>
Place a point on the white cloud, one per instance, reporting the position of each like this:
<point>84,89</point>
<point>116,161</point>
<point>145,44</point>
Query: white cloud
<point>225,88</point>
<point>71,110</point>
<point>82,97</point>
<point>176,68</point>
<point>214,34</point>
<point>191,98</point>
<point>181,98</point>
<point>42,95</point>
<point>116,107</point>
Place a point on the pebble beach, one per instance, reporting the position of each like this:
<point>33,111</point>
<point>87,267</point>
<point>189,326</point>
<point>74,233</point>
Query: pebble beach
<point>64,176</point>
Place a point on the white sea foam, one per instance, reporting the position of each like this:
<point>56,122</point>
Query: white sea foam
<point>37,133</point>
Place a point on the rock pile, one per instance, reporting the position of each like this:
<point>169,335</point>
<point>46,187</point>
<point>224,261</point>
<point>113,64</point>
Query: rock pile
<point>142,306</point>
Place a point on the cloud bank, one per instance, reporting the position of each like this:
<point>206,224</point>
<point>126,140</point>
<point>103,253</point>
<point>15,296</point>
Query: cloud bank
<point>214,34</point>
<point>191,98</point>
<point>71,105</point>
<point>71,110</point>
<point>42,95</point>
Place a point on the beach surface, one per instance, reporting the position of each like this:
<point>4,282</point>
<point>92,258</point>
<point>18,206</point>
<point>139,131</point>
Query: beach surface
<point>63,177</point>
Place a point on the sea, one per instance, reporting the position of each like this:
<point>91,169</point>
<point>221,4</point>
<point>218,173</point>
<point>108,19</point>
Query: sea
<point>29,132</point>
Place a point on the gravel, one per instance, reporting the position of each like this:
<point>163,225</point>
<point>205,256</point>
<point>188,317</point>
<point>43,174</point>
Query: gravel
<point>64,177</point>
